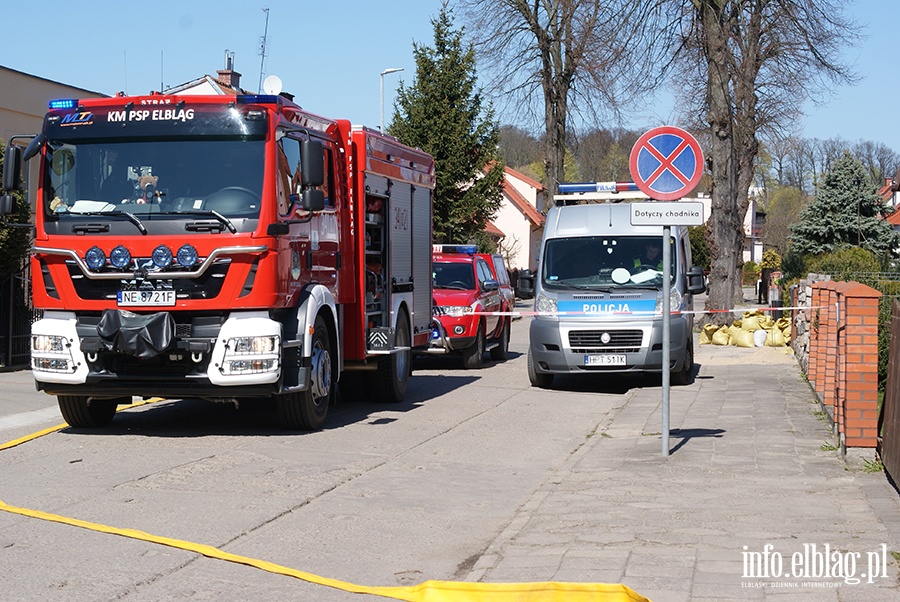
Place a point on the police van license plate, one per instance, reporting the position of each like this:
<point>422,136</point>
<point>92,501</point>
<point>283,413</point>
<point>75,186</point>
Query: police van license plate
<point>604,360</point>
<point>146,298</point>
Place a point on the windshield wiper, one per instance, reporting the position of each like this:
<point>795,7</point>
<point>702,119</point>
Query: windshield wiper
<point>212,213</point>
<point>116,212</point>
<point>579,287</point>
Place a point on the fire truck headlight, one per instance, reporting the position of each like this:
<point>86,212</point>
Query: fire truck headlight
<point>162,256</point>
<point>50,353</point>
<point>250,366</point>
<point>43,343</point>
<point>254,345</point>
<point>120,257</point>
<point>95,258</point>
<point>187,256</point>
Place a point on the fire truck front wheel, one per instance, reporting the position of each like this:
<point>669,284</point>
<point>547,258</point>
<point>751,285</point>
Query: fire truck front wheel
<point>306,410</point>
<point>88,412</point>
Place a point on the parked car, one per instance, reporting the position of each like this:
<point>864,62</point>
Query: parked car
<point>472,291</point>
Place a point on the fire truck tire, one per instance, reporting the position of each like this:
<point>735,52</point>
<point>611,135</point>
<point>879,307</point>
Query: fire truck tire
<point>81,411</point>
<point>473,355</point>
<point>306,410</point>
<point>392,376</point>
<point>501,351</point>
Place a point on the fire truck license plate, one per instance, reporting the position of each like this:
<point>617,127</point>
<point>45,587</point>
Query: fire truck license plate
<point>146,298</point>
<point>604,360</point>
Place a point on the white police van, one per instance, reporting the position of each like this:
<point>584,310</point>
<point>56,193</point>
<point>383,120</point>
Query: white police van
<point>598,296</point>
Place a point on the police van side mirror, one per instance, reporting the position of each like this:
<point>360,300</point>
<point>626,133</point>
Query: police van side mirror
<point>312,160</point>
<point>696,282</point>
<point>6,205</point>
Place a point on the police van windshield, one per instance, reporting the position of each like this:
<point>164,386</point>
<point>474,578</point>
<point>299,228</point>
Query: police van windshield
<point>154,177</point>
<point>604,262</point>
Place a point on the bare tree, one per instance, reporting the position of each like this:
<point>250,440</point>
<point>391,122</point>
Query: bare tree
<point>517,147</point>
<point>555,59</point>
<point>880,161</point>
<point>759,59</point>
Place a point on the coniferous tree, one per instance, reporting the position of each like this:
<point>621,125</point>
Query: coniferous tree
<point>846,211</point>
<point>442,113</point>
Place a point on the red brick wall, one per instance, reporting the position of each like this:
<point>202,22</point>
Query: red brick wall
<point>843,357</point>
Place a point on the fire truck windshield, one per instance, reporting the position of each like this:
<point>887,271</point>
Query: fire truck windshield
<point>154,177</point>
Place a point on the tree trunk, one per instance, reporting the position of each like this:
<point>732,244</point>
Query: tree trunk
<point>726,224</point>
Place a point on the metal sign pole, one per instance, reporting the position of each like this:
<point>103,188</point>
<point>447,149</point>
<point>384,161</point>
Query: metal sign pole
<point>666,335</point>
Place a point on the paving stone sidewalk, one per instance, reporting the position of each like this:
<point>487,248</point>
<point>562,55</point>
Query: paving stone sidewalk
<point>751,466</point>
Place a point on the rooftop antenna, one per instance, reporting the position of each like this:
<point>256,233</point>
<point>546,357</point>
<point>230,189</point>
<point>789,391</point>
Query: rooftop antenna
<point>262,51</point>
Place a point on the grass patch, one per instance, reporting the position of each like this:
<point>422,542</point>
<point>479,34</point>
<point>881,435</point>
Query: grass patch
<point>827,446</point>
<point>873,465</point>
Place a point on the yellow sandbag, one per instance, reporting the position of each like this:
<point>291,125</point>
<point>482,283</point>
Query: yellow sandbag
<point>750,323</point>
<point>766,322</point>
<point>743,338</point>
<point>783,323</point>
<point>737,323</point>
<point>721,336</point>
<point>775,338</point>
<point>706,334</point>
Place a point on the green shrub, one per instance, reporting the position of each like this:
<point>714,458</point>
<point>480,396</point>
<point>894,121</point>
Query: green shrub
<point>845,263</point>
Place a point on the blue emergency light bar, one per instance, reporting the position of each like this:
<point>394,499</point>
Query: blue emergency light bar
<point>63,103</point>
<point>256,98</point>
<point>465,249</point>
<point>579,187</point>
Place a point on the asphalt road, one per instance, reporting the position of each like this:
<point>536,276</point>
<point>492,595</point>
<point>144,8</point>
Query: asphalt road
<point>384,495</point>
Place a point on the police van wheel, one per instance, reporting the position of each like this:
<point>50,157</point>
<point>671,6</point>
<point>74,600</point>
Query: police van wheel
<point>81,411</point>
<point>306,410</point>
<point>538,379</point>
<point>685,375</point>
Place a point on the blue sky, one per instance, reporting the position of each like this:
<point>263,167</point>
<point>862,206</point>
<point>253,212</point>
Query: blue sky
<point>330,54</point>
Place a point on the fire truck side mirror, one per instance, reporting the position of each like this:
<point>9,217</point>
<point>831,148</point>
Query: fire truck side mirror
<point>12,167</point>
<point>313,200</point>
<point>312,163</point>
<point>6,205</point>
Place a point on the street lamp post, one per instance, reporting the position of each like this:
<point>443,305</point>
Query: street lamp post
<point>383,73</point>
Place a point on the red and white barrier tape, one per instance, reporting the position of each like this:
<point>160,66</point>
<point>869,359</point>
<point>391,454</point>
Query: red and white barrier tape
<point>638,313</point>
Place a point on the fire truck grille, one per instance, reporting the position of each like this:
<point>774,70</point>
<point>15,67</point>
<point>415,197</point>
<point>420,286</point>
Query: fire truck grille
<point>206,286</point>
<point>583,341</point>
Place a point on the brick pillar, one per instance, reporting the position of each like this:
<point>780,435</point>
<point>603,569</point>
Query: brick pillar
<point>836,390</point>
<point>828,357</point>
<point>815,341</point>
<point>859,386</point>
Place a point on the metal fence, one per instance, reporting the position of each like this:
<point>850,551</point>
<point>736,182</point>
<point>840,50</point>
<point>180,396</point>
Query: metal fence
<point>16,316</point>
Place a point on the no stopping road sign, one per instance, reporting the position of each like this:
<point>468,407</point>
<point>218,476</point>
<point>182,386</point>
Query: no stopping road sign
<point>666,163</point>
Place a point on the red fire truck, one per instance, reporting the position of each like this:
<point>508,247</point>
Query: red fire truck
<point>226,248</point>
